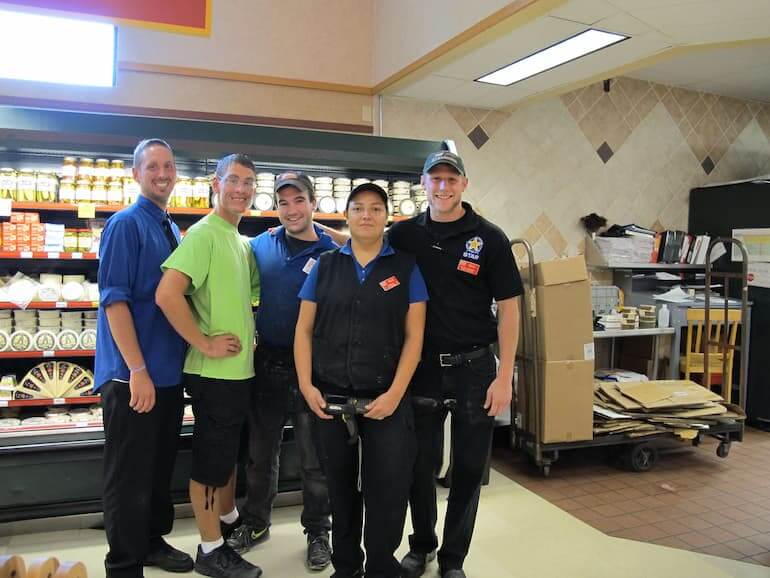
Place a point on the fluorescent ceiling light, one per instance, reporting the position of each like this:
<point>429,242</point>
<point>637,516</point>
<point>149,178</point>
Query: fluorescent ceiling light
<point>565,51</point>
<point>59,50</point>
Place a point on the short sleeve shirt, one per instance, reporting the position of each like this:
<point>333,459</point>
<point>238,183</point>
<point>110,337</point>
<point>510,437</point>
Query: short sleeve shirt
<point>223,284</point>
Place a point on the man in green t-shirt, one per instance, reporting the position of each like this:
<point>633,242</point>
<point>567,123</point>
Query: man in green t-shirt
<point>206,292</point>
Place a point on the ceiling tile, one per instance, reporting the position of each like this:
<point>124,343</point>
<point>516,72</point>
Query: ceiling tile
<point>623,23</point>
<point>585,11</point>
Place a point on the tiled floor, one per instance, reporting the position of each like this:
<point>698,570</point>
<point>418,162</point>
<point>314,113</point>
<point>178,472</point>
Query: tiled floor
<point>691,500</point>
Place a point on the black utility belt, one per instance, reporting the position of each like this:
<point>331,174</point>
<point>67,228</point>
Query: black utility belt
<point>458,359</point>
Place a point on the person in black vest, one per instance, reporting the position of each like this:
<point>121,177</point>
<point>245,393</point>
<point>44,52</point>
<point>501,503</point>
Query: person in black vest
<point>359,336</point>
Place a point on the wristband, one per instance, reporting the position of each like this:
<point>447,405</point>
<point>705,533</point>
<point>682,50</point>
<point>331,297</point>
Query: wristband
<point>137,369</point>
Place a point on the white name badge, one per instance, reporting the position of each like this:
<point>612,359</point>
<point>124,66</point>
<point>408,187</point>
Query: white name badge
<point>308,266</point>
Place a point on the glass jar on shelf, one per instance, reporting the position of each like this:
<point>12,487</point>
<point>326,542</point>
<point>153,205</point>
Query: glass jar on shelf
<point>46,185</point>
<point>70,240</point>
<point>8,179</point>
<point>85,240</point>
<point>69,167</point>
<point>25,186</point>
<point>67,190</point>
<point>99,191</point>
<point>102,169</point>
<point>183,192</point>
<point>200,194</point>
<point>117,170</point>
<point>115,192</point>
<point>86,168</point>
<point>131,190</point>
<point>83,190</point>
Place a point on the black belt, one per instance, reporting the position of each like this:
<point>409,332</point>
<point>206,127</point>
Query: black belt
<point>457,359</point>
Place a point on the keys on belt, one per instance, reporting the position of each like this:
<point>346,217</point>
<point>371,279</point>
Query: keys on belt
<point>347,408</point>
<point>457,359</point>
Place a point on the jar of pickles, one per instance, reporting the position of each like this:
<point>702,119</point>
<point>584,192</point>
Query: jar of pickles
<point>67,190</point>
<point>99,191</point>
<point>83,190</point>
<point>85,240</point>
<point>115,192</point>
<point>8,178</point>
<point>117,170</point>
<point>25,186</point>
<point>200,193</point>
<point>45,188</point>
<point>86,168</point>
<point>70,240</point>
<point>69,167</point>
<point>131,190</point>
<point>102,169</point>
<point>183,191</point>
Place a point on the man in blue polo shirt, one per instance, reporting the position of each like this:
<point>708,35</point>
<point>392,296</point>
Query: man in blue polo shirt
<point>138,371</point>
<point>284,257</point>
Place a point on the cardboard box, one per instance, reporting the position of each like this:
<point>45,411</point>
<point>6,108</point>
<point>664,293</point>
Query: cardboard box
<point>567,409</point>
<point>566,412</point>
<point>564,322</point>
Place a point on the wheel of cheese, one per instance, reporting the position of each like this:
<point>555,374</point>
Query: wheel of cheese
<point>8,422</point>
<point>49,293</point>
<point>42,568</point>
<point>68,339</point>
<point>72,291</point>
<point>5,340</point>
<point>12,567</point>
<point>88,339</point>
<point>44,341</point>
<point>21,341</point>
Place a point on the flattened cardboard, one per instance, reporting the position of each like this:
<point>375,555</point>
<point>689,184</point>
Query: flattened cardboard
<point>667,393</point>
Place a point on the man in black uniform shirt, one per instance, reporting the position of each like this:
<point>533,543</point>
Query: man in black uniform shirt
<point>466,262</point>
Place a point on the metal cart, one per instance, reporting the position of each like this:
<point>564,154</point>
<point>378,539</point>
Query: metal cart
<point>639,454</point>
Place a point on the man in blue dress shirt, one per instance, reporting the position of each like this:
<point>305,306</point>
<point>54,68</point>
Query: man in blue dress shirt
<point>138,372</point>
<point>284,257</point>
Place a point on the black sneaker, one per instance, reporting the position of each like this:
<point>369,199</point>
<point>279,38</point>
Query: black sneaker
<point>245,537</point>
<point>166,557</point>
<point>319,553</point>
<point>413,564</point>
<point>224,562</point>
<point>228,529</point>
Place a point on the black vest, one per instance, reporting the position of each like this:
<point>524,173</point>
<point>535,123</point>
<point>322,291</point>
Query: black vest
<point>359,327</point>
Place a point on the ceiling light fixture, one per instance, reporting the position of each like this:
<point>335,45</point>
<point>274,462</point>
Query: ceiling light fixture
<point>565,51</point>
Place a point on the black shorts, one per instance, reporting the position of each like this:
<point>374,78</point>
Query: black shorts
<point>220,407</point>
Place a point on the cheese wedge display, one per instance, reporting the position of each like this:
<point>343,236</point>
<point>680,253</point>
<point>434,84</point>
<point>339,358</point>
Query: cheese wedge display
<point>55,379</point>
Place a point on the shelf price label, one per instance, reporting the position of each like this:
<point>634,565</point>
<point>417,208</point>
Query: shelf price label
<point>5,207</point>
<point>60,304</point>
<point>59,401</point>
<point>77,255</point>
<point>3,403</point>
<point>48,353</point>
<point>25,255</point>
<point>53,255</point>
<point>86,211</point>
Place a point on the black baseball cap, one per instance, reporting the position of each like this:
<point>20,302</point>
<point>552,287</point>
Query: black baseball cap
<point>299,181</point>
<point>444,158</point>
<point>371,187</point>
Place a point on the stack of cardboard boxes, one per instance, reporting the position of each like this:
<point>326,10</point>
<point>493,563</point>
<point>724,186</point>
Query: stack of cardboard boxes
<point>565,352</point>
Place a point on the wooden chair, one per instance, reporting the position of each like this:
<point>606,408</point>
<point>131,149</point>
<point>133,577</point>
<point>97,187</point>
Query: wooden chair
<point>697,338</point>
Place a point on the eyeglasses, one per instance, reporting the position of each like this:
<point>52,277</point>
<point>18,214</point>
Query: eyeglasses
<point>234,181</point>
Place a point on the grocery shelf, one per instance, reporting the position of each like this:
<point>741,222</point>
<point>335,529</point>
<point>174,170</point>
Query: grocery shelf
<point>57,353</point>
<point>52,305</point>
<point>73,208</point>
<point>49,255</point>
<point>82,400</point>
<point>65,427</point>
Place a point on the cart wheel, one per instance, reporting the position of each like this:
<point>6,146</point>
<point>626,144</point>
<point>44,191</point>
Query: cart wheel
<point>641,457</point>
<point>545,469</point>
<point>723,449</point>
<point>696,441</point>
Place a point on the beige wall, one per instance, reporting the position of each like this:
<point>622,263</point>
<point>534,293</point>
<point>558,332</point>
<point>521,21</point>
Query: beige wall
<point>405,30</point>
<point>536,171</point>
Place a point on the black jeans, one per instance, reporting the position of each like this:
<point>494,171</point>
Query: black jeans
<point>386,460</point>
<point>472,432</point>
<point>276,397</point>
<point>139,454</point>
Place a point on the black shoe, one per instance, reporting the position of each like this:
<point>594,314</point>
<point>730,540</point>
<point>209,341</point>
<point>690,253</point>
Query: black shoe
<point>224,562</point>
<point>245,537</point>
<point>319,553</point>
<point>168,558</point>
<point>453,573</point>
<point>413,564</point>
<point>356,574</point>
<point>228,529</point>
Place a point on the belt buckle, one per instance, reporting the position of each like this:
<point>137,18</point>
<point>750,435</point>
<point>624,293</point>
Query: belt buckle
<point>441,357</point>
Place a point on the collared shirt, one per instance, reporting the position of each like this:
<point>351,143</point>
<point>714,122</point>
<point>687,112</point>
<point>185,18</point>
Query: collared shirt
<point>133,246</point>
<point>223,284</point>
<point>281,277</point>
<point>467,263</point>
<point>417,290</point>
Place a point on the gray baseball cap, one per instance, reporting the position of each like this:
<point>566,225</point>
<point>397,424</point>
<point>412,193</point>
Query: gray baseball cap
<point>299,181</point>
<point>444,158</point>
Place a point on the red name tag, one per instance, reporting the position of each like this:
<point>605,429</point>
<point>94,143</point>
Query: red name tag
<point>468,267</point>
<point>390,283</point>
